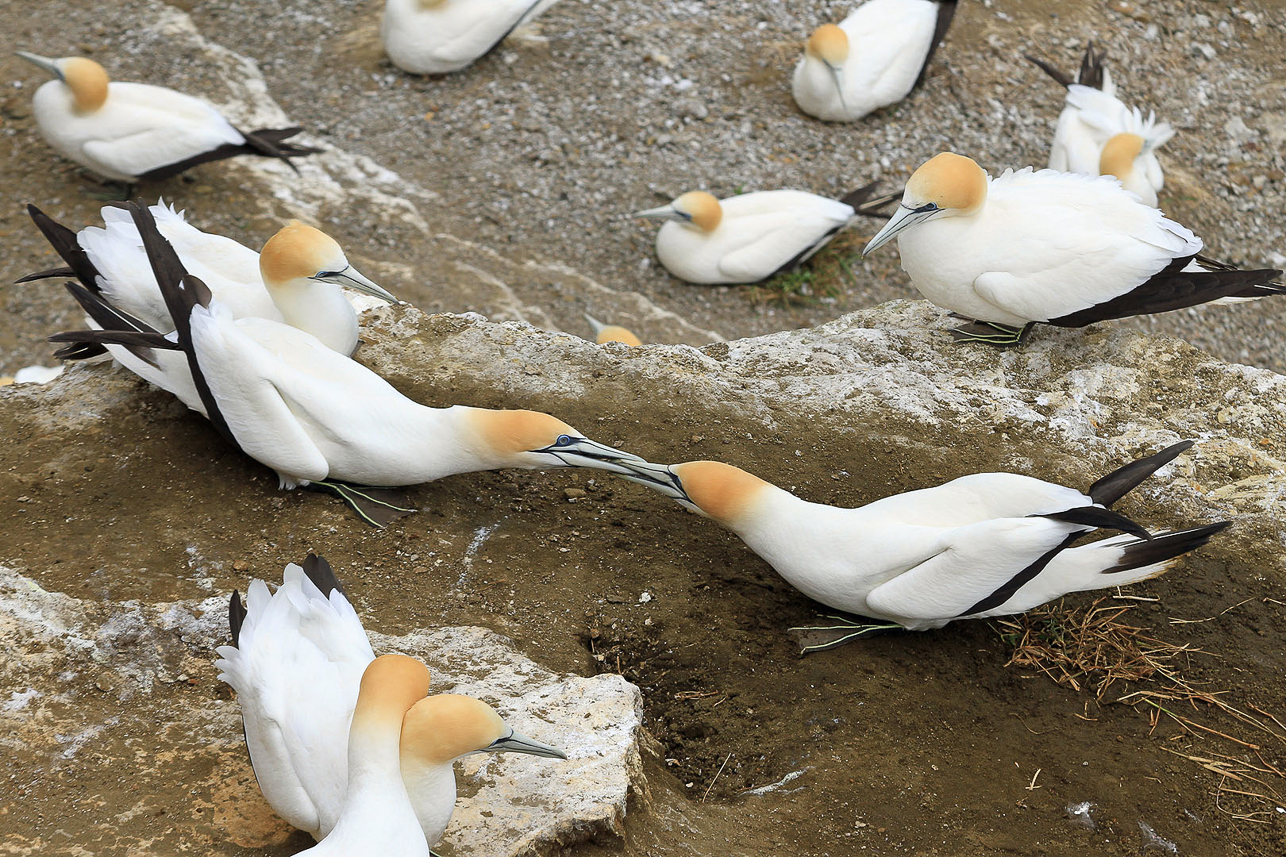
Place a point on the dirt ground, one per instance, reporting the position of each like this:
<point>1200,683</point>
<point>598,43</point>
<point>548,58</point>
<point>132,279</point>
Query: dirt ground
<point>916,744</point>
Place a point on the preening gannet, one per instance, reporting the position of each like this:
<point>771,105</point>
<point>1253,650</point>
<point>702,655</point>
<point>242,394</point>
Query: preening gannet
<point>296,659</point>
<point>295,280</point>
<point>1049,247</point>
<point>441,36</point>
<point>989,544</point>
<point>612,332</point>
<point>134,132</point>
<point>871,59</point>
<point>750,237</point>
<point>314,415</point>
<point>1098,135</point>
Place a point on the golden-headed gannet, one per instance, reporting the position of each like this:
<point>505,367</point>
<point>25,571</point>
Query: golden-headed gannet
<point>1049,247</point>
<point>1097,134</point>
<point>871,59</point>
<point>750,237</point>
<point>296,660</point>
<point>604,333</point>
<point>132,132</point>
<point>314,415</point>
<point>441,36</point>
<point>297,279</point>
<point>989,544</point>
<point>374,814</point>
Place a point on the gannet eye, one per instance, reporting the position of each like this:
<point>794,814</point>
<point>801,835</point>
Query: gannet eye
<point>321,275</point>
<point>928,206</point>
<point>564,440</point>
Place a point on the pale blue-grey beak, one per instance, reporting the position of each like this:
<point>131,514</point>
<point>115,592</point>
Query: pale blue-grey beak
<point>352,278</point>
<point>45,63</point>
<point>516,742</point>
<point>904,219</point>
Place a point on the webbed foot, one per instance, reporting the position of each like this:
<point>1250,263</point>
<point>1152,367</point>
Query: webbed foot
<point>992,333</point>
<point>378,507</point>
<point>843,630</point>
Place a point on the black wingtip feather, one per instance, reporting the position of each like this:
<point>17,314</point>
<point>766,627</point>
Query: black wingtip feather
<point>1165,547</point>
<point>1095,516</point>
<point>946,11</point>
<point>1123,480</point>
<point>1064,80</point>
<point>318,570</point>
<point>236,616</point>
<point>1091,73</point>
<point>63,240</point>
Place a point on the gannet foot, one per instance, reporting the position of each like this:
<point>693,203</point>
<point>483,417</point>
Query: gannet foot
<point>844,629</point>
<point>378,507</point>
<point>991,333</point>
<point>108,189</point>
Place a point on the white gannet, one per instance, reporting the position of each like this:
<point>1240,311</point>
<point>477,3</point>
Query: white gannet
<point>441,36</point>
<point>314,415</point>
<point>297,279</point>
<point>132,132</point>
<point>1097,134</point>
<point>989,544</point>
<point>374,814</point>
<point>612,332</point>
<point>1051,248</point>
<point>296,659</point>
<point>871,59</point>
<point>750,237</point>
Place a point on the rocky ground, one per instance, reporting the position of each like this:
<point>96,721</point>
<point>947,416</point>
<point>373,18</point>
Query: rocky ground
<point>506,191</point>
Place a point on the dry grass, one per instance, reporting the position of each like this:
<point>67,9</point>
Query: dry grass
<point>826,275</point>
<point>1094,648</point>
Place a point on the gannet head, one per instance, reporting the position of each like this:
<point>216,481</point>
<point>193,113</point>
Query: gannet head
<point>440,729</point>
<point>612,332</point>
<point>946,185</point>
<point>716,490</point>
<point>390,685</point>
<point>1117,158</point>
<point>299,254</point>
<point>86,79</point>
<point>696,209</point>
<point>532,440</point>
<point>828,44</point>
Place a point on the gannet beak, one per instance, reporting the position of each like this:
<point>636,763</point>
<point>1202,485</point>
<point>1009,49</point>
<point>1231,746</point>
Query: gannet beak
<point>352,278</point>
<point>582,452</point>
<point>45,63</point>
<point>836,71</point>
<point>665,212</point>
<point>516,742</point>
<point>905,218</point>
<point>658,477</point>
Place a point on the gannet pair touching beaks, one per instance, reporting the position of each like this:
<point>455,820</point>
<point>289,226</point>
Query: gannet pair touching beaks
<point>753,236</point>
<point>131,132</point>
<point>314,415</point>
<point>989,544</point>
<point>326,760</point>
<point>871,59</point>
<point>1098,135</point>
<point>1049,247</point>
<point>442,36</point>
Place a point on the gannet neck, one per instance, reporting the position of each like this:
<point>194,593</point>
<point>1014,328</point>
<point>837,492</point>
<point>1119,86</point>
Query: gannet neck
<point>952,182</point>
<point>700,209</point>
<point>1117,158</point>
<point>722,492</point>
<point>829,44</point>
<point>87,81</point>
<point>390,685</point>
<point>319,308</point>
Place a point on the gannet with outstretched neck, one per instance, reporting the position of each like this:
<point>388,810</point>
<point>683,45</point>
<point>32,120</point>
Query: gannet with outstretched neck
<point>441,36</point>
<point>871,59</point>
<point>990,544</point>
<point>134,132</point>
<point>1049,248</point>
<point>750,237</point>
<point>295,661</point>
<point>312,414</point>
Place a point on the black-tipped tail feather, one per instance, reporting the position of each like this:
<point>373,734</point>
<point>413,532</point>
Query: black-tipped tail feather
<point>1164,547</point>
<point>1123,480</point>
<point>265,142</point>
<point>1090,74</point>
<point>236,616</point>
<point>864,201</point>
<point>946,11</point>
<point>318,570</point>
<point>63,240</point>
<point>1098,517</point>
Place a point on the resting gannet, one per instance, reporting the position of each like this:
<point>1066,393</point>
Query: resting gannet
<point>1051,248</point>
<point>871,59</point>
<point>440,36</point>
<point>750,237</point>
<point>604,333</point>
<point>296,660</point>
<point>1098,135</point>
<point>990,544</point>
<point>132,132</point>
<point>314,415</point>
<point>295,280</point>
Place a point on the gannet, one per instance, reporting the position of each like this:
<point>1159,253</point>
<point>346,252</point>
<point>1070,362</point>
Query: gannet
<point>871,59</point>
<point>132,132</point>
<point>297,279</point>
<point>989,544</point>
<point>750,237</point>
<point>441,36</point>
<point>374,814</point>
<point>604,333</point>
<point>1097,134</point>
<point>1049,247</point>
<point>296,659</point>
<point>314,415</point>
